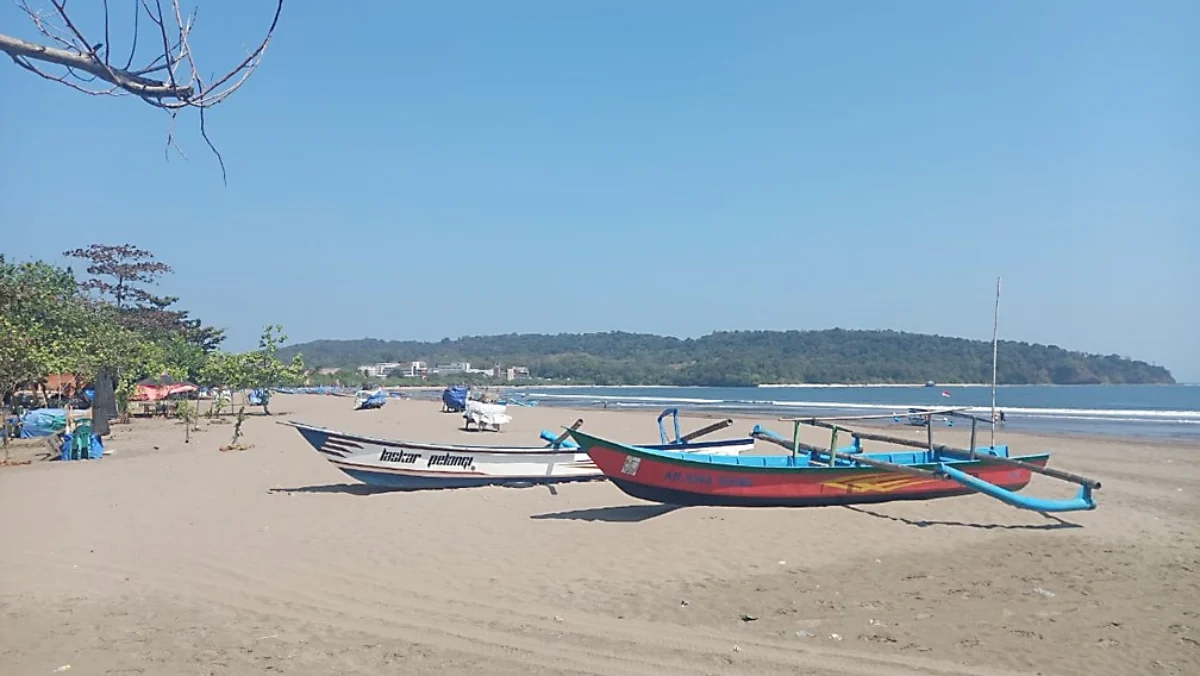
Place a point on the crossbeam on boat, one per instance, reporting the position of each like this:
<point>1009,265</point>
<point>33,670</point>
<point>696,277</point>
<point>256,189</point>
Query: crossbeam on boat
<point>880,416</point>
<point>957,453</point>
<point>768,436</point>
<point>1081,502</point>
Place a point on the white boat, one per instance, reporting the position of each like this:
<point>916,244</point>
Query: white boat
<point>406,465</point>
<point>485,415</point>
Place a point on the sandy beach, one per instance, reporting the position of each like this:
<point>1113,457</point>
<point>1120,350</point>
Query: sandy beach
<point>174,558</point>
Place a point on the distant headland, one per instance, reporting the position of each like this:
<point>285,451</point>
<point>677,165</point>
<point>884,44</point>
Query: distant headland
<point>723,359</point>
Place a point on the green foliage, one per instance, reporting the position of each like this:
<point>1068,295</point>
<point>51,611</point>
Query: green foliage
<point>263,367</point>
<point>118,274</point>
<point>256,368</point>
<point>49,324</point>
<point>745,358</point>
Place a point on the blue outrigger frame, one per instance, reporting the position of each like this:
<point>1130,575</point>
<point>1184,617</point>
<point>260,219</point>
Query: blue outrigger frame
<point>940,456</point>
<point>561,440</point>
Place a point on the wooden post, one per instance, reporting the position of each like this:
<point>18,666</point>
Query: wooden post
<point>929,433</point>
<point>974,424</point>
<point>795,441</point>
<point>795,446</point>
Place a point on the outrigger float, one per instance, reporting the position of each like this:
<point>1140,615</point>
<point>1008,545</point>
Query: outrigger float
<point>406,465</point>
<point>813,476</point>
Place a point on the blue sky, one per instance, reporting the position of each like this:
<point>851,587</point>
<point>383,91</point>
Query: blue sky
<point>420,170</point>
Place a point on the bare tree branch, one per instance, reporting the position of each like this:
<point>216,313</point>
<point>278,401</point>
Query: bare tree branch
<point>177,82</point>
<point>146,88</point>
<point>133,47</point>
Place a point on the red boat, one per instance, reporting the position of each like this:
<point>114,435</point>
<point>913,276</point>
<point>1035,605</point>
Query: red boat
<point>817,477</point>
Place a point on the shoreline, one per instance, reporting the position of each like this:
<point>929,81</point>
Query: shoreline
<point>765,386</point>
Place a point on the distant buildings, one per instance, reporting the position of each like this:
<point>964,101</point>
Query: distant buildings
<point>418,369</point>
<point>412,369</point>
<point>460,367</point>
<point>516,373</point>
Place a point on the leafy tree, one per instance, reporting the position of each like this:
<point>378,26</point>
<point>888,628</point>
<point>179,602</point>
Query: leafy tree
<point>263,369</point>
<point>119,273</point>
<point>118,270</point>
<point>44,321</point>
<point>257,369</point>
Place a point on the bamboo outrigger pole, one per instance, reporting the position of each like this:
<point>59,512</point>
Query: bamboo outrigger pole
<point>817,450</point>
<point>566,433</point>
<point>715,427</point>
<point>959,453</point>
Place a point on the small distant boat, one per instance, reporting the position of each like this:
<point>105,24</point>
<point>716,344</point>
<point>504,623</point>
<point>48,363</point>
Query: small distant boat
<point>930,383</point>
<point>369,399</point>
<point>813,476</point>
<point>918,417</point>
<point>406,465</point>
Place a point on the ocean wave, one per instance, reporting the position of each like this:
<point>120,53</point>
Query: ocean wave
<point>1105,414</point>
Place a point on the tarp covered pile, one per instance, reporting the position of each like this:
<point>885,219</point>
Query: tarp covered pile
<point>454,398</point>
<point>43,422</point>
<point>492,415</point>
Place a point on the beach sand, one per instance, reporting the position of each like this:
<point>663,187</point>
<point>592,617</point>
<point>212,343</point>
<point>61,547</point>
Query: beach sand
<point>174,558</point>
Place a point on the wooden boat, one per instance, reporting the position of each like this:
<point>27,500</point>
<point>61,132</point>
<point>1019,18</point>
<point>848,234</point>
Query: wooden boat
<point>812,476</point>
<point>406,465</point>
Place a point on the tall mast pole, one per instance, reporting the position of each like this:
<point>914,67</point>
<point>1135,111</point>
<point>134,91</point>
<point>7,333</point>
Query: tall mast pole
<point>995,350</point>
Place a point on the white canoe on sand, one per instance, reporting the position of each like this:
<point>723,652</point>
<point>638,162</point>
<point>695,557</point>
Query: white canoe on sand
<point>406,465</point>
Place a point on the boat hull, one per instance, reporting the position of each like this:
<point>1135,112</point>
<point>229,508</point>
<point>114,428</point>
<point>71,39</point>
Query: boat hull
<point>670,479</point>
<point>401,465</point>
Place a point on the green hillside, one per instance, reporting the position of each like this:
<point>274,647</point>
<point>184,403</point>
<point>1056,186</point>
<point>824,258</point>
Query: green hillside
<point>744,358</point>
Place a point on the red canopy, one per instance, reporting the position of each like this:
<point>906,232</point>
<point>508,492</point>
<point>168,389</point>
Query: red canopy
<point>148,390</point>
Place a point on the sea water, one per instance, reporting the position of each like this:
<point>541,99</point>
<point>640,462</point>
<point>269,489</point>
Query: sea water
<point>1157,411</point>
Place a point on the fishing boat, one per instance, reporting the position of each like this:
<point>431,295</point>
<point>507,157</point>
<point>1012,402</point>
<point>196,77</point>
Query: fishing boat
<point>406,465</point>
<point>813,476</point>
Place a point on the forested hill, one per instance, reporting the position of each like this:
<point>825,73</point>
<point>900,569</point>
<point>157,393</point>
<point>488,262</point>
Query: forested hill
<point>740,358</point>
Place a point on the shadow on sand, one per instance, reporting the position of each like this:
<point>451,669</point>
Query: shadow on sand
<point>348,489</point>
<point>619,514</point>
<point>1056,523</point>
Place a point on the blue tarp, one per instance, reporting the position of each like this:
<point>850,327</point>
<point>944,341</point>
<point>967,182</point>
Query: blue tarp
<point>96,451</point>
<point>42,422</point>
<point>375,400</point>
<point>455,398</point>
